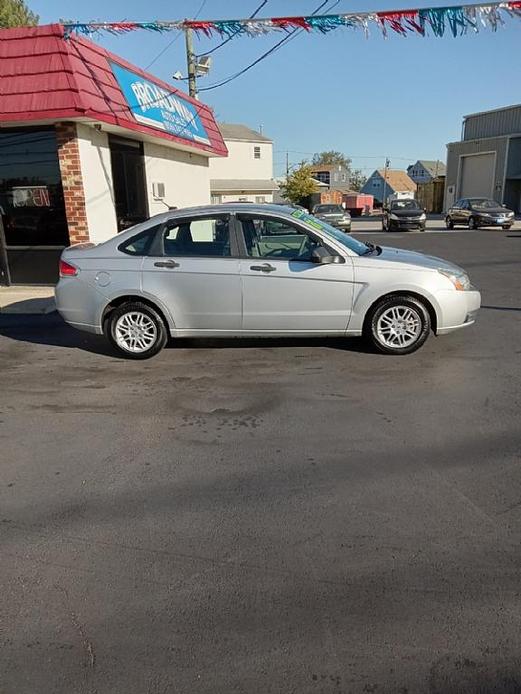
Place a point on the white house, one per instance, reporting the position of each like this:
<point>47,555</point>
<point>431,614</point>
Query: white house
<point>425,170</point>
<point>246,174</point>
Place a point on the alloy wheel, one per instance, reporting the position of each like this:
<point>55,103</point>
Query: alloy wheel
<point>135,332</point>
<point>398,326</point>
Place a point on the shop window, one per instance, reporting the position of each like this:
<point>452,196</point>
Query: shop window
<point>128,176</point>
<point>256,152</point>
<point>31,194</point>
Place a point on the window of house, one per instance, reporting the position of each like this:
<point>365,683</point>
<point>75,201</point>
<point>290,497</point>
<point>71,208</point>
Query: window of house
<point>256,152</point>
<point>217,199</point>
<point>260,198</point>
<point>197,237</point>
<point>376,183</point>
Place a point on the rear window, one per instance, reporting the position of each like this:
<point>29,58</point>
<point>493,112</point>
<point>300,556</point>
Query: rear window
<point>140,243</point>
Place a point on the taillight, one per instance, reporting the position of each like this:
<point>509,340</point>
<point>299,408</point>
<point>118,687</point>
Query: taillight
<point>67,270</point>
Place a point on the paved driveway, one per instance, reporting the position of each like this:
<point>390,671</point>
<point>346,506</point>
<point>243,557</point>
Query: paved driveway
<point>257,516</point>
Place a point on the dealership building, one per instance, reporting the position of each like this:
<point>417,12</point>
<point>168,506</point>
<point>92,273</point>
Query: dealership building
<point>89,145</point>
<point>487,160</point>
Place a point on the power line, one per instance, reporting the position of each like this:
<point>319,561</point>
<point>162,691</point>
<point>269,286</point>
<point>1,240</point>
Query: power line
<point>287,38</point>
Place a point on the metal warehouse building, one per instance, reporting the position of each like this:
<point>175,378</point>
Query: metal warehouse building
<point>487,161</point>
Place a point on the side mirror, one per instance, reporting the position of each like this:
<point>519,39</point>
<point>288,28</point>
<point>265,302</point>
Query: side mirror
<point>322,256</point>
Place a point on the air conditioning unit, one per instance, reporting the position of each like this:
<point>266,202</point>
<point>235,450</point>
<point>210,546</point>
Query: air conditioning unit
<point>158,191</point>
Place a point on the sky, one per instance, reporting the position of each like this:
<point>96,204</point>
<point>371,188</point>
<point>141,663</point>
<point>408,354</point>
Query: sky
<point>402,98</point>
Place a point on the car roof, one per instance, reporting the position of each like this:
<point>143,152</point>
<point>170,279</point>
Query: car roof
<point>230,207</point>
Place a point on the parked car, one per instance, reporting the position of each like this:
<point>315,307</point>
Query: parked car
<point>334,215</point>
<point>256,270</point>
<point>479,212</point>
<point>402,215</point>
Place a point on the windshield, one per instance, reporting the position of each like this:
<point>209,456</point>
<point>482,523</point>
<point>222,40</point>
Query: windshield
<point>484,203</point>
<point>404,205</point>
<point>328,209</point>
<point>348,241</point>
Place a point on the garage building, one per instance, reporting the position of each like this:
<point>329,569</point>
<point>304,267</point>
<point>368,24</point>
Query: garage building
<point>89,145</point>
<point>487,161</point>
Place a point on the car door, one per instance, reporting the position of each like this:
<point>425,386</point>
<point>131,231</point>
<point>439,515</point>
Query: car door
<point>465,212</point>
<point>195,274</point>
<point>283,292</point>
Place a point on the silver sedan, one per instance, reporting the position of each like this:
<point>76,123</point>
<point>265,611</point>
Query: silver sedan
<point>256,270</point>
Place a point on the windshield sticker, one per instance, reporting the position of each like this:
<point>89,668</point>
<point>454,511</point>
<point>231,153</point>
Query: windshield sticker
<point>309,219</point>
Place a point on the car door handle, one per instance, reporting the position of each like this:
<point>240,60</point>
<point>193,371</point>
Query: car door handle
<point>166,263</point>
<point>263,268</point>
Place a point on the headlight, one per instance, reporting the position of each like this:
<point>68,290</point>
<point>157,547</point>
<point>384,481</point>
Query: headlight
<point>394,216</point>
<point>423,217</point>
<point>460,280</point>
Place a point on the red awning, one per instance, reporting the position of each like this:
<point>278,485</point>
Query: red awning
<point>46,77</point>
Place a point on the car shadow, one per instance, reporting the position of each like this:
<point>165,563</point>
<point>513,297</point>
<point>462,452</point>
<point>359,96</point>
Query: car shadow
<point>502,308</point>
<point>52,331</point>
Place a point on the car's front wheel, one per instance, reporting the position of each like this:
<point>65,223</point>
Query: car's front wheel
<point>136,330</point>
<point>449,223</point>
<point>398,324</point>
<point>473,223</point>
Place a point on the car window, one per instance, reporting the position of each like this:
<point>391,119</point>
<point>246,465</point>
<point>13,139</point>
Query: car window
<point>197,237</point>
<point>269,238</point>
<point>140,243</point>
<point>464,205</point>
<point>457,205</point>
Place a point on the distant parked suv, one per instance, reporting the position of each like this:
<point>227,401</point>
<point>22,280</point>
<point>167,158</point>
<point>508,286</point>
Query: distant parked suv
<point>334,215</point>
<point>479,212</point>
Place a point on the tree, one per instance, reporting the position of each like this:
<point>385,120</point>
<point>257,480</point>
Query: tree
<point>299,184</point>
<point>357,179</point>
<point>331,157</point>
<point>15,13</point>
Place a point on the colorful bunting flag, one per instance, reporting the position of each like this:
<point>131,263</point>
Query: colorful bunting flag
<point>457,20</point>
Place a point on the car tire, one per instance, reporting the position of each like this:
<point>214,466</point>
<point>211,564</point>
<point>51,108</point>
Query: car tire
<point>449,223</point>
<point>136,330</point>
<point>389,317</point>
<point>473,225</point>
<point>422,228</point>
<point>506,227</point>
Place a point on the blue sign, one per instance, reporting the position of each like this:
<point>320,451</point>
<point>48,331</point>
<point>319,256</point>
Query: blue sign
<point>155,106</point>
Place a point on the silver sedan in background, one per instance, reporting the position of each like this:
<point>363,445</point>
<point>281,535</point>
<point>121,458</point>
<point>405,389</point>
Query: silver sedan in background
<point>258,270</point>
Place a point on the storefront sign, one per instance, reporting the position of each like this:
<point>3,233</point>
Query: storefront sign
<point>155,106</point>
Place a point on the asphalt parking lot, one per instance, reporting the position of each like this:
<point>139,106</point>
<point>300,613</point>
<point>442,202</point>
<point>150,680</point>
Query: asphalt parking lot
<point>249,516</point>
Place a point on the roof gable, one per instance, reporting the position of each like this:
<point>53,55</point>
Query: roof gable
<point>237,131</point>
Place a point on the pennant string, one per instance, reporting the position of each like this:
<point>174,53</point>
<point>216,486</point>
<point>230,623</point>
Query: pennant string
<point>458,20</point>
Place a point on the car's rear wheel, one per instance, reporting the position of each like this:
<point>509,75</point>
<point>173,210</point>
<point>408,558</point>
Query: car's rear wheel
<point>398,324</point>
<point>473,224</point>
<point>136,330</point>
<point>449,223</point>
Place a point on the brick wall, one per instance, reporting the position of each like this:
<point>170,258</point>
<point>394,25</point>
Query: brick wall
<point>72,181</point>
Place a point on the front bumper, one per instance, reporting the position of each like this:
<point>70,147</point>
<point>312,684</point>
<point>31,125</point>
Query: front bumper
<point>458,310</point>
<point>405,224</point>
<point>484,222</point>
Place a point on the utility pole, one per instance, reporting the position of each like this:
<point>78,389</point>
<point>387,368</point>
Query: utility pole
<point>387,163</point>
<point>287,164</point>
<point>190,62</point>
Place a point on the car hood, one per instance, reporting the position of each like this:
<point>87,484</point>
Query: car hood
<point>491,210</point>
<point>397,255</point>
<point>407,213</point>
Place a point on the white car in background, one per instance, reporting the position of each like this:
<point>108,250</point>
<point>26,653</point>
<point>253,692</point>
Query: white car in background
<point>235,270</point>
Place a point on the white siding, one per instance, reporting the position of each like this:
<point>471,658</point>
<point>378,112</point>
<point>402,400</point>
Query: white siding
<point>186,177</point>
<point>241,163</point>
<point>250,197</point>
<point>96,172</point>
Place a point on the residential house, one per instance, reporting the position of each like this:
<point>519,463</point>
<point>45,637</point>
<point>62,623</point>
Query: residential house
<point>487,161</point>
<point>382,183</point>
<point>246,174</point>
<point>334,176</point>
<point>425,170</point>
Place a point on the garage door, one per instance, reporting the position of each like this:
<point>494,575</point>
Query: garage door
<point>477,176</point>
